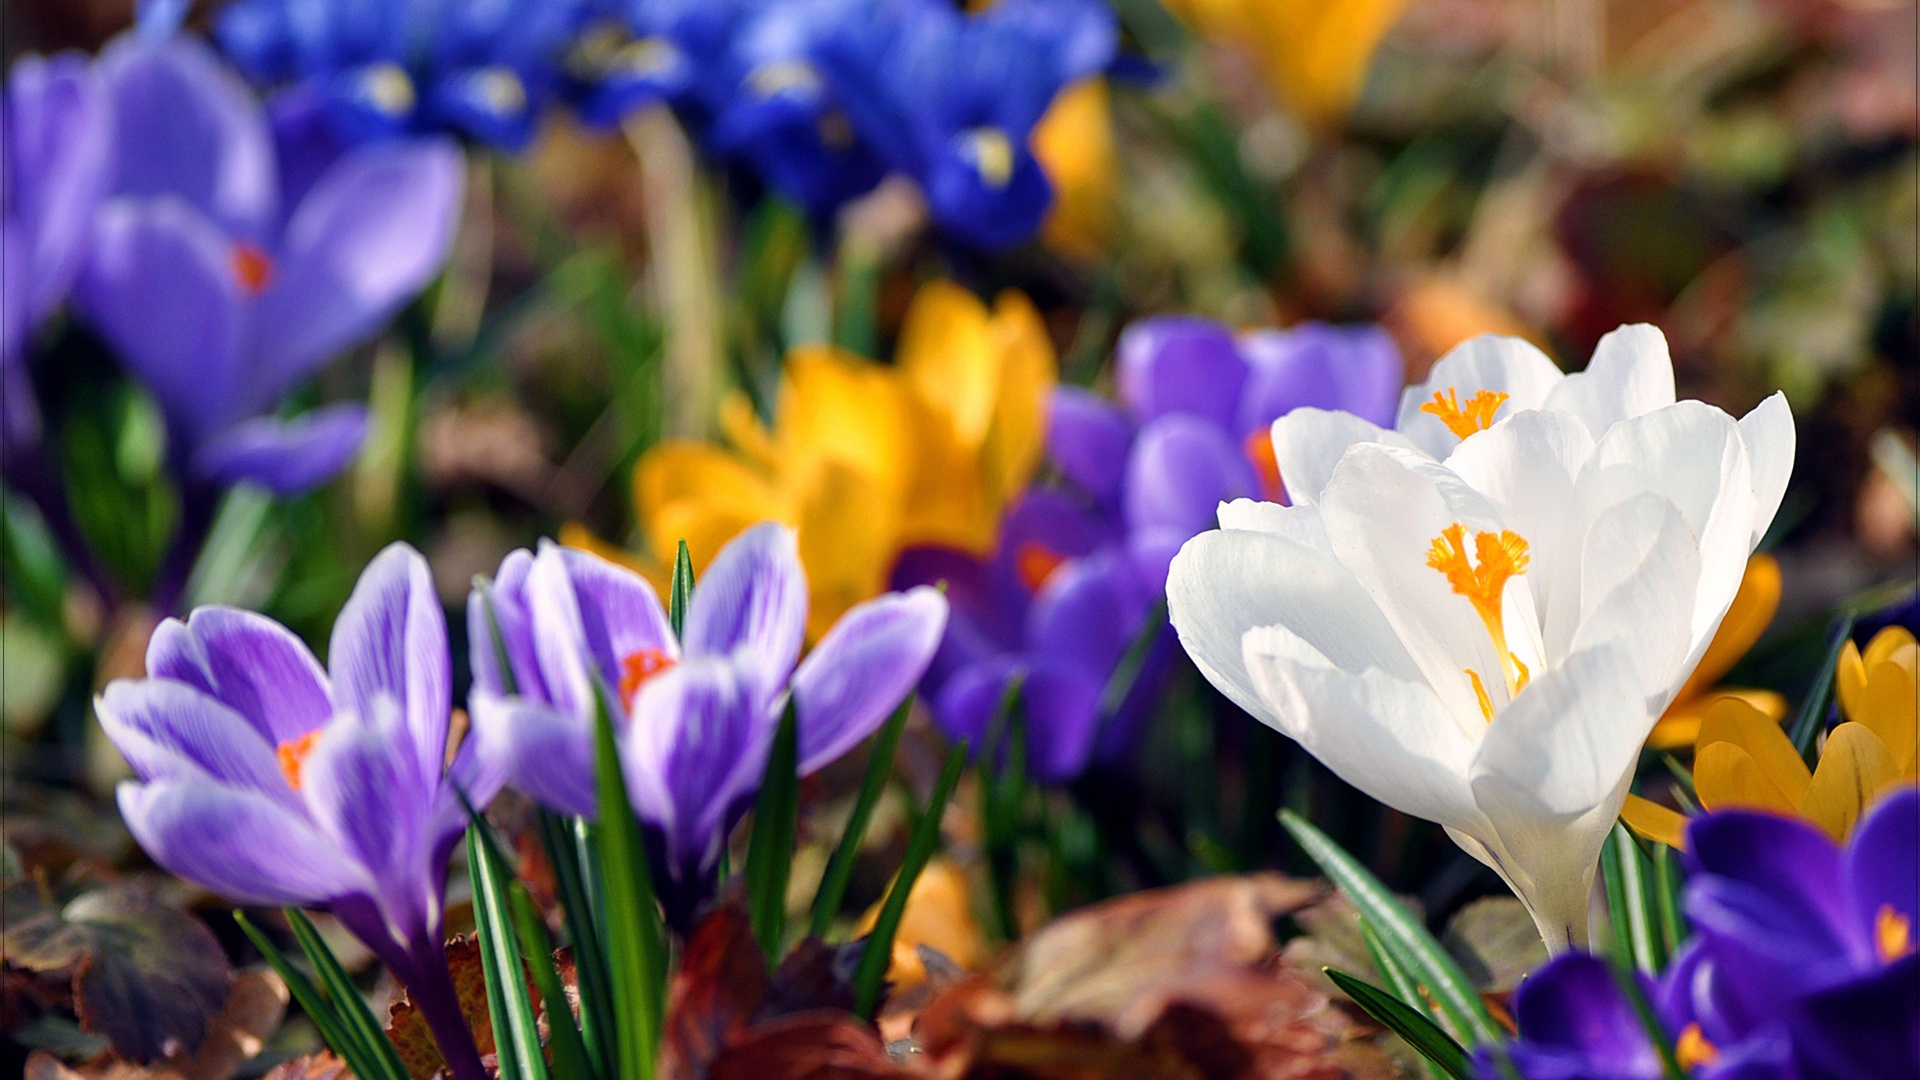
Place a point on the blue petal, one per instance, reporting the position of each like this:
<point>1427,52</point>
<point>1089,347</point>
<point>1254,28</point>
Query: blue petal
<point>287,457</point>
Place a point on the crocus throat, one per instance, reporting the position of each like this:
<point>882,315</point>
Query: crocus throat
<point>1464,420</point>
<point>1266,465</point>
<point>1694,1049</point>
<point>389,89</point>
<point>638,667</point>
<point>1497,558</point>
<point>252,268</point>
<point>293,756</point>
<point>991,153</point>
<point>1892,934</point>
<point>501,90</point>
<point>1035,563</point>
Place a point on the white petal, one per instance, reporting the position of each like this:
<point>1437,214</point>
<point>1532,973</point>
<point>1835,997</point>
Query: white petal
<point>1769,435</point>
<point>1300,524</point>
<point>1639,573</point>
<point>1390,737</point>
<point>1308,442</point>
<point>1630,375</point>
<point>1228,582</point>
<point>1505,365</point>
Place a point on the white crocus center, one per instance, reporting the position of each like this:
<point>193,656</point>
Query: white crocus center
<point>1497,558</point>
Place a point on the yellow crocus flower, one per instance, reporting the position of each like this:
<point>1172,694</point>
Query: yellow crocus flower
<point>1743,759</point>
<point>939,915</point>
<point>1074,142</point>
<point>1752,610</point>
<point>1313,53</point>
<point>864,460</point>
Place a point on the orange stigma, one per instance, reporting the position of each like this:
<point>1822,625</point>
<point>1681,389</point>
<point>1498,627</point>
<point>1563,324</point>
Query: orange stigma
<point>1892,934</point>
<point>251,268</point>
<point>1035,562</point>
<point>1497,558</point>
<point>1266,465</point>
<point>1464,420</point>
<point>637,668</point>
<point>293,755</point>
<point>1694,1049</point>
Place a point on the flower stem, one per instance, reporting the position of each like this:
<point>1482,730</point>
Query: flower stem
<point>430,986</point>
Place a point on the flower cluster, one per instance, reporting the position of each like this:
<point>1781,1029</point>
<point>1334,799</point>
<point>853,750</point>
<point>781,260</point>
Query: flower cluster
<point>1081,563</point>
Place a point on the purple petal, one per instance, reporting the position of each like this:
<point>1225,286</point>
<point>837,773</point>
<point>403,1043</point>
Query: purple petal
<point>1355,369</point>
<point>253,665</point>
<point>1088,614</point>
<point>170,731</point>
<point>1864,1029</point>
<point>286,457</point>
<point>303,142</point>
<point>58,142</point>
<point>501,610</point>
<point>1789,863</point>
<point>160,288</point>
<point>545,754</point>
<point>372,233</point>
<point>619,610</point>
<point>186,126</point>
<point>241,844</point>
<point>390,642</point>
<point>1181,470</point>
<point>1883,861</point>
<point>1087,440</point>
<point>1060,703</point>
<point>864,668</point>
<point>694,751</point>
<point>1574,1004</point>
<point>1179,364</point>
<point>752,603</point>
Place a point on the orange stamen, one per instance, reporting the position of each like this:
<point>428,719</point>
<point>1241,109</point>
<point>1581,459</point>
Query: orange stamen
<point>1892,934</point>
<point>637,668</point>
<point>1694,1049</point>
<point>251,268</point>
<point>1498,558</point>
<point>1266,465</point>
<point>293,755</point>
<point>1480,695</point>
<point>1464,420</point>
<point>1035,562</point>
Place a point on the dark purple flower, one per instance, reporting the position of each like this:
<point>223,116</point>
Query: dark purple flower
<point>695,717</point>
<point>220,292</point>
<point>272,781</point>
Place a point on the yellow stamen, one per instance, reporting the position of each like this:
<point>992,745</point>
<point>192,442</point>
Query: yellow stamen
<point>1892,934</point>
<point>1480,695</point>
<point>770,79</point>
<point>637,668</point>
<point>293,755</point>
<point>1266,464</point>
<point>389,88</point>
<point>1464,420</point>
<point>992,154</point>
<point>1498,558</point>
<point>501,91</point>
<point>1694,1049</point>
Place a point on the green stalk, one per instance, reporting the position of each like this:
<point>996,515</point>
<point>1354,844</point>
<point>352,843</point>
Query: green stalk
<point>875,955</point>
<point>833,883</point>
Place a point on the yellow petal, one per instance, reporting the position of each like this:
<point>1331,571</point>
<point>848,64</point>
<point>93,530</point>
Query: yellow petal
<point>1028,372</point>
<point>1074,144</point>
<point>948,504</point>
<point>1890,708</point>
<point>1855,766</point>
<point>1733,721</point>
<point>1727,777</point>
<point>1315,53</point>
<point>1850,681</point>
<point>1886,644</point>
<point>1655,822</point>
<point>836,407</point>
<point>743,429</point>
<point>949,358</point>
<point>848,533</point>
<point>1752,611</point>
<point>939,915</point>
<point>699,493</point>
<point>1680,727</point>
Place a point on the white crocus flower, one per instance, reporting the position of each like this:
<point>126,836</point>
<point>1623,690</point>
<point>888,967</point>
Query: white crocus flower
<point>1482,634</point>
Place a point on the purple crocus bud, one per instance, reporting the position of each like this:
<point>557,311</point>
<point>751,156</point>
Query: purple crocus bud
<point>562,630</point>
<point>1356,369</point>
<point>56,156</point>
<point>223,280</point>
<point>1180,364</point>
<point>270,780</point>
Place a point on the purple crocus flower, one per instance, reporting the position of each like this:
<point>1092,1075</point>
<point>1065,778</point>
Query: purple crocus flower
<point>694,716</point>
<point>272,781</point>
<point>56,155</point>
<point>1803,947</point>
<point>1082,565</point>
<point>222,279</point>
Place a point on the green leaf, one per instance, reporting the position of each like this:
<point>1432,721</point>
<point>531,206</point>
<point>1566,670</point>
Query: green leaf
<point>636,946</point>
<point>1003,773</point>
<point>565,840</point>
<point>877,952</point>
<point>333,1027</point>
<point>1400,983</point>
<point>1666,899</point>
<point>776,813</point>
<point>1630,902</point>
<point>516,1028</point>
<point>833,882</point>
<point>1410,943</point>
<point>681,594</point>
<point>1813,711</point>
<point>353,1010</point>
<point>1421,1033</point>
<point>570,1059</point>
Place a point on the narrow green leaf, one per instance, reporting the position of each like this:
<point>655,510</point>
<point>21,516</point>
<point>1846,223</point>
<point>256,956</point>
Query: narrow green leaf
<point>515,1027</point>
<point>871,975</point>
<point>1813,711</point>
<point>333,1028</point>
<point>1460,1005</point>
<point>1395,974</point>
<point>833,883</point>
<point>680,596</point>
<point>636,947</point>
<point>1120,684</point>
<point>776,813</point>
<point>1666,899</point>
<point>352,1008</point>
<point>577,908</point>
<point>569,1049</point>
<point>1630,901</point>
<point>1421,1033</point>
<point>1003,773</point>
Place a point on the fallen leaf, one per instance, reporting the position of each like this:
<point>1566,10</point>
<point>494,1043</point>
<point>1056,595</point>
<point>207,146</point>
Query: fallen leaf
<point>721,983</point>
<point>317,1066</point>
<point>808,1046</point>
<point>1496,942</point>
<point>234,1037</point>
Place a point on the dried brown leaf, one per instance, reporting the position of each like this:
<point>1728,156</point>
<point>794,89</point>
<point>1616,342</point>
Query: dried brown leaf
<point>808,1046</point>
